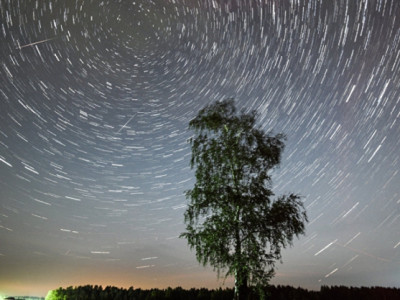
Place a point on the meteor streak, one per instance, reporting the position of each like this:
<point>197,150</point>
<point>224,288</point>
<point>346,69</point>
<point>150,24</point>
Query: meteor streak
<point>35,43</point>
<point>126,123</point>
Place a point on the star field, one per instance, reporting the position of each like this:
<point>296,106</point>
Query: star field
<point>95,101</point>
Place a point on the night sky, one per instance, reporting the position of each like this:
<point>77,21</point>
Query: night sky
<point>95,100</point>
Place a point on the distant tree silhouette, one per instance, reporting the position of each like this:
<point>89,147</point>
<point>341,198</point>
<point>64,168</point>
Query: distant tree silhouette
<point>274,292</point>
<point>232,221</point>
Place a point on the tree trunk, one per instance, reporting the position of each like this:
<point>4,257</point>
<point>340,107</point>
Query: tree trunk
<point>241,289</point>
<point>240,269</point>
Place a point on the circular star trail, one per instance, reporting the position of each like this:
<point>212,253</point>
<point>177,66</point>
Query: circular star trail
<point>95,100</point>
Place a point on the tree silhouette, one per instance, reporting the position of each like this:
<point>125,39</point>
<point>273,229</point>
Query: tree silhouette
<point>232,220</point>
<point>278,292</point>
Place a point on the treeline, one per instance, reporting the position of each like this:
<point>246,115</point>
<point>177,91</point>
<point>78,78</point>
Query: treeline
<point>90,292</point>
<point>96,292</point>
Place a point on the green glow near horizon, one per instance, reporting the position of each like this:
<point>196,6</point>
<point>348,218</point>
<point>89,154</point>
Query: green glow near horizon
<point>50,295</point>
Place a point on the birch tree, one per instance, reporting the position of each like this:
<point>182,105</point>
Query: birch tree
<point>234,221</point>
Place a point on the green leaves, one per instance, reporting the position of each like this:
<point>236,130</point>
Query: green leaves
<point>232,221</point>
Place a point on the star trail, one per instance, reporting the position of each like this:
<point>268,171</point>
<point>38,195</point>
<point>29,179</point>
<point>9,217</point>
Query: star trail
<point>95,101</point>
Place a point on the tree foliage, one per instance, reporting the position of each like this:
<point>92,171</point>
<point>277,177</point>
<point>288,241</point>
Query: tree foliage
<point>233,220</point>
